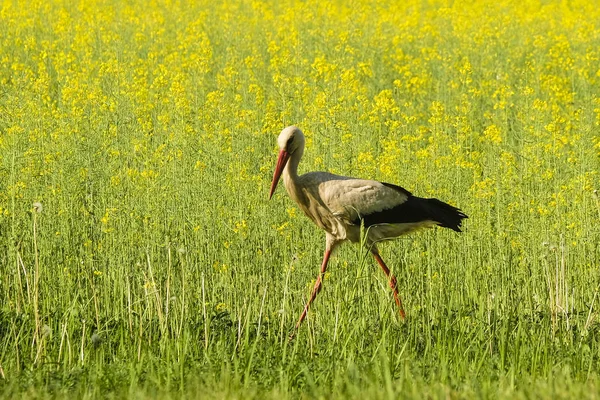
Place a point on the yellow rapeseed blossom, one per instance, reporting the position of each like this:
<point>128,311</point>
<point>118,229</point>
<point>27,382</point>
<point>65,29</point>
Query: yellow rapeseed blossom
<point>492,134</point>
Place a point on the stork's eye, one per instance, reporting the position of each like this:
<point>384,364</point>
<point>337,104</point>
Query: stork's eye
<point>289,142</point>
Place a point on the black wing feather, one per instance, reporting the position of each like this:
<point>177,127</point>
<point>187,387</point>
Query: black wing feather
<point>416,209</point>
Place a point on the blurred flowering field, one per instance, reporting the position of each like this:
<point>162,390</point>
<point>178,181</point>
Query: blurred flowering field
<point>139,255</point>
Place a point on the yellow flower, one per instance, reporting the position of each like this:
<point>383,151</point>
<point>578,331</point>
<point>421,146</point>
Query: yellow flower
<point>492,134</point>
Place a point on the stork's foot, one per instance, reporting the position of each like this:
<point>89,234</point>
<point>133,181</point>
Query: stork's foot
<point>292,336</point>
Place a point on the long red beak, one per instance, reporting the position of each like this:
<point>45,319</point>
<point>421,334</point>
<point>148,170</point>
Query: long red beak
<point>283,158</point>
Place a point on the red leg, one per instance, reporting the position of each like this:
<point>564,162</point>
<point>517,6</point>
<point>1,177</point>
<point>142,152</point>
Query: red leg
<point>316,289</point>
<point>393,283</point>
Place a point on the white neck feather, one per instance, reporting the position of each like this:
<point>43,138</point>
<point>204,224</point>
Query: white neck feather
<point>290,173</point>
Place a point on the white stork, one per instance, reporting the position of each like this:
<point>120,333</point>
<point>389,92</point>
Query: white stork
<point>340,205</point>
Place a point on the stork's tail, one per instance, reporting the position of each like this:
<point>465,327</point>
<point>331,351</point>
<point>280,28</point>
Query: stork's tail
<point>444,214</point>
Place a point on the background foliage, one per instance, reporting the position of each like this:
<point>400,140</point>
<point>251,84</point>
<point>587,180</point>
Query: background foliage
<point>153,265</point>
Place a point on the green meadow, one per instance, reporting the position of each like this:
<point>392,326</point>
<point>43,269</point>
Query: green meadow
<point>139,254</point>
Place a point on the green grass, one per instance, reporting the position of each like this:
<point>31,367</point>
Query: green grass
<point>157,268</point>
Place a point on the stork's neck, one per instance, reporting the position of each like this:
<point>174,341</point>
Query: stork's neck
<point>290,173</point>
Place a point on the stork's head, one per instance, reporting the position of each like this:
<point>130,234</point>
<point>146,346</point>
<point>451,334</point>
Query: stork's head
<point>290,141</point>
